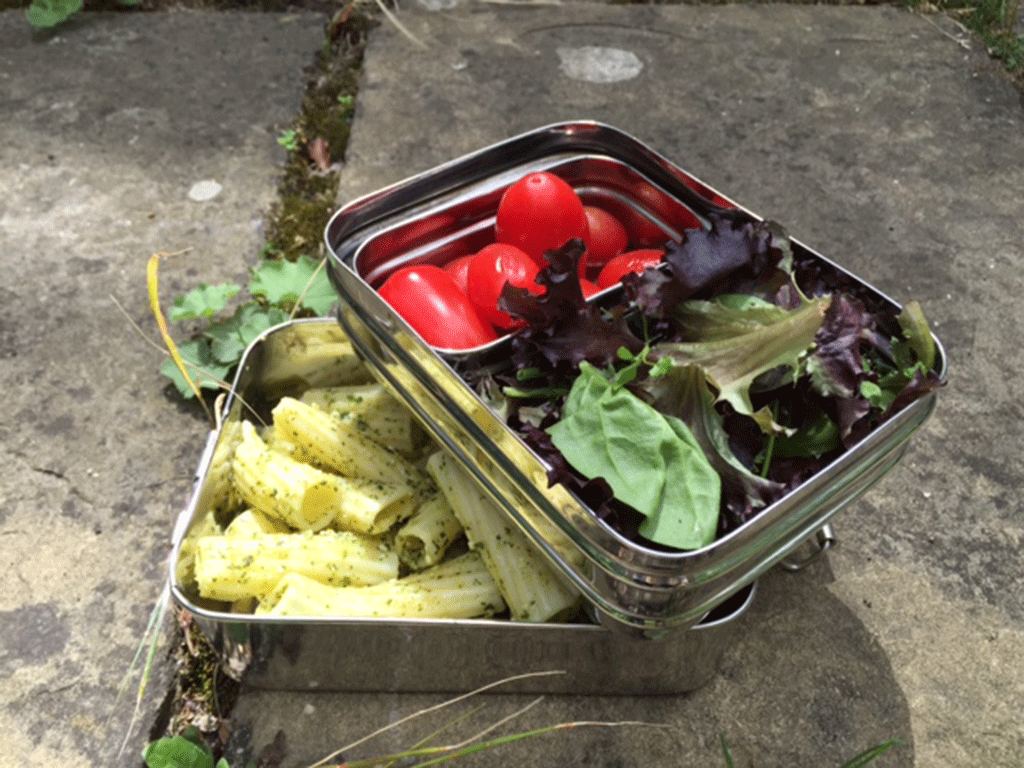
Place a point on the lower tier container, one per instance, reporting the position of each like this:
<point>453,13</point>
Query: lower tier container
<point>315,652</point>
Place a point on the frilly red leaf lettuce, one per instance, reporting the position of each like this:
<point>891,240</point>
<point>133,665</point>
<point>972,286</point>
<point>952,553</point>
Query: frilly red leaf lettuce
<point>563,330</point>
<point>709,262</point>
<point>778,364</point>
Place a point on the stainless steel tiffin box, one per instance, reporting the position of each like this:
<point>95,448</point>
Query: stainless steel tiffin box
<point>325,653</point>
<point>450,210</point>
<point>689,602</point>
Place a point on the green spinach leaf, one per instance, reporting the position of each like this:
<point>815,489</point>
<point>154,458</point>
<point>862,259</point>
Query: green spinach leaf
<point>651,461</point>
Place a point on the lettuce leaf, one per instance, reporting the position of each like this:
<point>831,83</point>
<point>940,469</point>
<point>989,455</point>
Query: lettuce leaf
<point>731,363</point>
<point>683,393</point>
<point>651,460</point>
<point>734,250</point>
<point>564,330</point>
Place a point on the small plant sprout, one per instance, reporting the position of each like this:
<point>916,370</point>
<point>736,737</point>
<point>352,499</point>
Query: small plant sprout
<point>289,139</point>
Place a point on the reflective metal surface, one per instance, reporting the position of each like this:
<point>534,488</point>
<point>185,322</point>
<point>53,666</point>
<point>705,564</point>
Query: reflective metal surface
<point>434,215</point>
<point>305,653</point>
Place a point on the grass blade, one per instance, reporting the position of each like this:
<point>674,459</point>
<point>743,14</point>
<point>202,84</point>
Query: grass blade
<point>156,621</point>
<point>465,751</point>
<point>725,752</point>
<point>153,284</point>
<point>514,737</point>
<point>428,710</point>
<point>425,741</point>
<point>872,754</point>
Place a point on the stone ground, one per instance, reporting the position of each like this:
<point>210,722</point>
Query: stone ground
<point>886,140</point>
<point>107,125</point>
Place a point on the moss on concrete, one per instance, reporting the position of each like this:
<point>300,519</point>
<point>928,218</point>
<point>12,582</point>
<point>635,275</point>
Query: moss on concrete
<point>309,183</point>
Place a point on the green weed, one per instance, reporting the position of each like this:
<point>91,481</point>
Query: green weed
<point>289,279</point>
<point>289,139</point>
<point>186,750</point>
<point>50,13</point>
<point>993,21</point>
<point>859,761</point>
<point>278,291</point>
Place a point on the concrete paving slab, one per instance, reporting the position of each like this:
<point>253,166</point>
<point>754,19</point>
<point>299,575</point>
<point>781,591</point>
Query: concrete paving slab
<point>873,134</point>
<point>106,125</point>
<point>889,143</point>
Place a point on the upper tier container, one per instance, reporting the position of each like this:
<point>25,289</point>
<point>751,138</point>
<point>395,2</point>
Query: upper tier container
<point>450,210</point>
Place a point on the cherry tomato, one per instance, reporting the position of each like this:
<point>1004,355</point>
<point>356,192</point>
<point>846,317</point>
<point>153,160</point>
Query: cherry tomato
<point>606,237</point>
<point>539,213</point>
<point>686,220</point>
<point>429,300</point>
<point>645,233</point>
<point>589,288</point>
<point>458,268</point>
<point>489,270</point>
<point>630,261</point>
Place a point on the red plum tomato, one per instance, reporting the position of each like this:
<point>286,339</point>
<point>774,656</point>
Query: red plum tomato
<point>645,233</point>
<point>589,288</point>
<point>489,269</point>
<point>539,213</point>
<point>458,268</point>
<point>686,220</point>
<point>429,300</point>
<point>630,261</point>
<point>606,237</point>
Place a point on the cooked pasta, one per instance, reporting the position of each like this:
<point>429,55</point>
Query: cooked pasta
<point>327,510</point>
<point>307,498</point>
<point>331,442</point>
<point>228,568</point>
<point>317,354</point>
<point>252,522</point>
<point>425,537</point>
<point>372,410</point>
<point>302,496</point>
<point>219,491</point>
<point>457,589</point>
<point>529,585</point>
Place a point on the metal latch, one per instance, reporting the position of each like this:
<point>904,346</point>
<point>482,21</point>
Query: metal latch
<point>822,540</point>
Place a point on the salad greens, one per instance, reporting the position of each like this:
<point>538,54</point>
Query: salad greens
<point>733,362</point>
<point>646,456</point>
<point>719,381</point>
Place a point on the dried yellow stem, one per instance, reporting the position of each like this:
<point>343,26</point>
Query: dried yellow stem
<point>153,283</point>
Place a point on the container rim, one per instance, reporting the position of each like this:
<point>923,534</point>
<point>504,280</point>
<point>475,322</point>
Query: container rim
<point>751,548</point>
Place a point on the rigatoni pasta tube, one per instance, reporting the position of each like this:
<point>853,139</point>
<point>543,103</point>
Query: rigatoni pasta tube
<point>300,495</point>
<point>219,490</point>
<point>308,498</point>
<point>425,536</point>
<point>250,522</point>
<point>529,585</point>
<point>372,507</point>
<point>235,568</point>
<point>372,410</point>
<point>328,441</point>
<point>206,526</point>
<point>318,354</point>
<point>461,588</point>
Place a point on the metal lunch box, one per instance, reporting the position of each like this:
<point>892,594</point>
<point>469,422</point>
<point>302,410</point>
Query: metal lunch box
<point>450,210</point>
<point>323,653</point>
